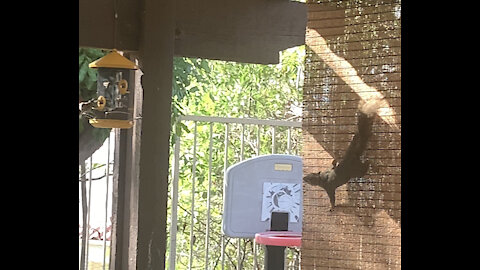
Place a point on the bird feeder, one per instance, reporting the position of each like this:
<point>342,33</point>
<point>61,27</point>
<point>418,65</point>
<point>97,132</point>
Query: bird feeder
<point>112,105</point>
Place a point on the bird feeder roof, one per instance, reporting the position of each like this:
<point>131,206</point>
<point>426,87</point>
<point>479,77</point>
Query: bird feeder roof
<point>113,60</point>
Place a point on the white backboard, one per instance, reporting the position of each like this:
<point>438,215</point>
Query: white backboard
<point>258,186</point>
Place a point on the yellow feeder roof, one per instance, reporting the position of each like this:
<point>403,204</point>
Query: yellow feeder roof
<point>113,60</point>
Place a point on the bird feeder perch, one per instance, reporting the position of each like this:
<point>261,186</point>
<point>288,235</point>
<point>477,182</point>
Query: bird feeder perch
<point>112,106</point>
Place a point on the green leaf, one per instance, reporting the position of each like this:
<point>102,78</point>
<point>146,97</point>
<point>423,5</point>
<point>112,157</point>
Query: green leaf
<point>82,73</point>
<point>81,59</point>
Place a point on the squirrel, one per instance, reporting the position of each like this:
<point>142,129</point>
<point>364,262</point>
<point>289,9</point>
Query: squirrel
<point>351,166</point>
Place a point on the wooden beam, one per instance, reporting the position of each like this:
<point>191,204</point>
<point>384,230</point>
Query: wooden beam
<point>251,31</point>
<point>95,27</point>
<point>109,24</point>
<point>244,31</point>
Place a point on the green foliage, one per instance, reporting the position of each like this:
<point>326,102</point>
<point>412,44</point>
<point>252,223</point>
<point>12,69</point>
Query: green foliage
<point>187,72</point>
<point>246,90</point>
<point>227,89</point>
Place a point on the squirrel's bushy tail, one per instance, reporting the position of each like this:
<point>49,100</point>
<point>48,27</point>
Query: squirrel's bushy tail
<point>367,111</point>
<point>370,107</point>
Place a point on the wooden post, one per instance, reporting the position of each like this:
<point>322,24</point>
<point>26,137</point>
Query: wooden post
<point>118,198</point>
<point>125,184</point>
<point>156,62</point>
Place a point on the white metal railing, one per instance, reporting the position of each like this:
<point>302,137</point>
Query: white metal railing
<point>280,143</point>
<point>95,182</point>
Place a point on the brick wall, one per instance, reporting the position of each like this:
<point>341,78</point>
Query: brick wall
<point>363,232</point>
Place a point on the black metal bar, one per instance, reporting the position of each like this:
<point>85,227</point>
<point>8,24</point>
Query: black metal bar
<point>279,221</point>
<point>274,257</point>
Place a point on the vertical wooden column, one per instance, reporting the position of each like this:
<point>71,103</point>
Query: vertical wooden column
<point>156,62</point>
<point>119,185</point>
<point>125,184</point>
